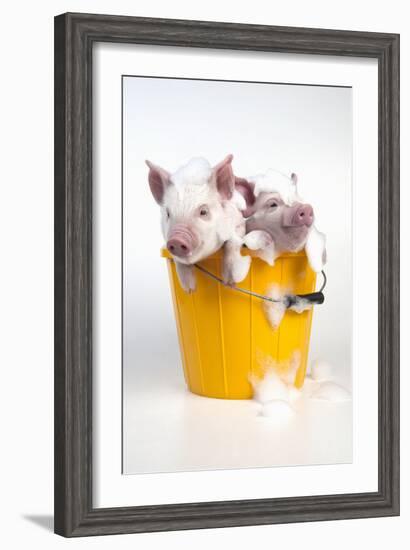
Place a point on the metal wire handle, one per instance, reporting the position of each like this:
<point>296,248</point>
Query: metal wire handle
<point>289,299</point>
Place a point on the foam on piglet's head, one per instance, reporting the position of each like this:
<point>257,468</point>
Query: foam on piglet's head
<point>271,182</point>
<point>197,171</point>
<point>276,182</point>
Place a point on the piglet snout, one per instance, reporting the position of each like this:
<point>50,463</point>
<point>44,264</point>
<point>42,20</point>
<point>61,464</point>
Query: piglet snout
<point>304,215</point>
<point>181,241</point>
<point>179,247</point>
<point>299,215</point>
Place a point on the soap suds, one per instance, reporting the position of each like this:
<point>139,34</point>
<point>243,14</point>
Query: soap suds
<point>276,310</point>
<point>315,248</point>
<point>275,389</point>
<point>330,391</point>
<point>274,181</point>
<point>321,370</point>
<point>195,172</point>
<point>281,400</point>
<point>278,411</point>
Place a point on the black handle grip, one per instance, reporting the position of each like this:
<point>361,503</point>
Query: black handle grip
<point>313,297</point>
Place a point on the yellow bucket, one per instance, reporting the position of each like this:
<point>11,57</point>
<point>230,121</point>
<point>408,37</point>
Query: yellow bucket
<point>224,333</point>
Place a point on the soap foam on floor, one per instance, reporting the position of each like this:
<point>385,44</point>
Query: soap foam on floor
<point>330,391</point>
<point>281,400</point>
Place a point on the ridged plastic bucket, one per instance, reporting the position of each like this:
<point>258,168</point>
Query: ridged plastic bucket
<point>223,334</point>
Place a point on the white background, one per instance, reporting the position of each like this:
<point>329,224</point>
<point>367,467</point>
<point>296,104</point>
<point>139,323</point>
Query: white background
<point>302,129</point>
<point>26,218</point>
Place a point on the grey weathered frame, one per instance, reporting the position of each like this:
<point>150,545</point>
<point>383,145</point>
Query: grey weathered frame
<point>75,35</point>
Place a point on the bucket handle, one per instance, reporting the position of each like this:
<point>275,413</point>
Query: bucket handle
<point>290,300</point>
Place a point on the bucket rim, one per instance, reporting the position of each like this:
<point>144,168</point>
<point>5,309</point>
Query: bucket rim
<point>245,252</point>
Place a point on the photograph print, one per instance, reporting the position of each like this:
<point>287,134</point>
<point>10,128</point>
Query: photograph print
<point>237,275</point>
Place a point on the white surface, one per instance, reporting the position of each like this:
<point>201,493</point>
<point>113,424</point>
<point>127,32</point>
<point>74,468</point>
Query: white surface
<point>110,487</point>
<point>172,429</point>
<point>26,404</point>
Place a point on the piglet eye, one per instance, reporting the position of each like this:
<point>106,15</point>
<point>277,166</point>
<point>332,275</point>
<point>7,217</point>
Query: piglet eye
<point>273,204</point>
<point>167,212</point>
<point>203,211</point>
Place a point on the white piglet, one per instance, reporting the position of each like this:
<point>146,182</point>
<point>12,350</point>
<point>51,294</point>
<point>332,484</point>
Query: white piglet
<point>200,213</point>
<point>278,220</point>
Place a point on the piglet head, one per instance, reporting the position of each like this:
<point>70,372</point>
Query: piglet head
<point>287,224</point>
<point>192,206</point>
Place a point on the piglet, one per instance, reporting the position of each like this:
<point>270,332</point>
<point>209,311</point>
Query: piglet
<point>200,213</point>
<point>277,219</point>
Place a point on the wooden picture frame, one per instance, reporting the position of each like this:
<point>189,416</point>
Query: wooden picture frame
<point>75,35</point>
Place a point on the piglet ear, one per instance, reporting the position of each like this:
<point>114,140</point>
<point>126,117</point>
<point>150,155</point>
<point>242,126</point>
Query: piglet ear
<point>158,179</point>
<point>246,189</point>
<point>224,177</point>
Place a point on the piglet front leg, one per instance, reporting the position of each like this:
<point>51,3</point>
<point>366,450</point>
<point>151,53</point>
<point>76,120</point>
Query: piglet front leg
<point>186,276</point>
<point>235,267</point>
<point>263,243</point>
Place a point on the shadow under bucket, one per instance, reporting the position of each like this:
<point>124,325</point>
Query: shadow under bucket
<point>224,335</point>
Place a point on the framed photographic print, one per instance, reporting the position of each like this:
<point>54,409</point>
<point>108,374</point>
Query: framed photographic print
<point>226,274</point>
